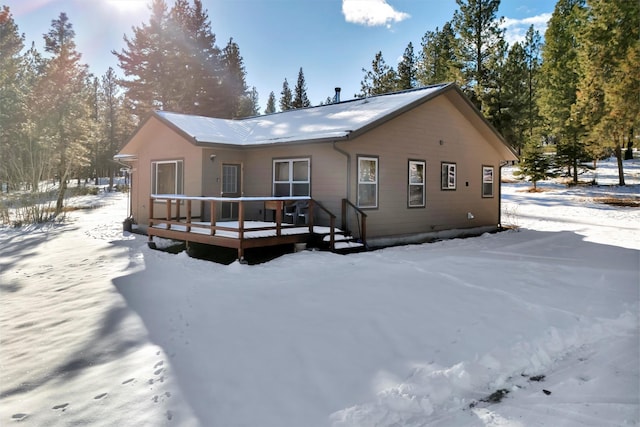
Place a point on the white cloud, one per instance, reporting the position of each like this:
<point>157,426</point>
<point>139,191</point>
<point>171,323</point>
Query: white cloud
<point>371,12</point>
<point>516,29</point>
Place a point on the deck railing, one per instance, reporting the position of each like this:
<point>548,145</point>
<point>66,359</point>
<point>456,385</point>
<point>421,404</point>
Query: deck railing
<point>177,214</point>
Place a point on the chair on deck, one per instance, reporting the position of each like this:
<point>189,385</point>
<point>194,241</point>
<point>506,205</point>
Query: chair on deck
<point>296,211</point>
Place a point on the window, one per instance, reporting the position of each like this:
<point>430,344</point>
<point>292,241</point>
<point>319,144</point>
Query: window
<point>487,181</point>
<point>416,184</point>
<point>166,177</point>
<point>448,176</point>
<point>367,182</point>
<point>291,177</point>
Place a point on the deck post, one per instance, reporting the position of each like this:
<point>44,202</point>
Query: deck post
<point>344,215</point>
<point>310,213</point>
<point>151,201</point>
<point>363,237</point>
<point>332,232</point>
<point>279,207</point>
<point>168,214</point>
<point>241,221</point>
<point>212,208</point>
<point>188,215</point>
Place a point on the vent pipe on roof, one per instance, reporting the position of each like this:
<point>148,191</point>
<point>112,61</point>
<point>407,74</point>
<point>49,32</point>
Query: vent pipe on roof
<point>336,98</point>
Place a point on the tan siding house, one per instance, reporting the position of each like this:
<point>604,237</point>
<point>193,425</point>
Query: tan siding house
<point>416,162</point>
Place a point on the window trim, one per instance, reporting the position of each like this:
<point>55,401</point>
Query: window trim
<point>179,178</point>
<point>423,184</point>
<point>488,167</point>
<point>290,181</point>
<point>376,183</point>
<point>445,184</point>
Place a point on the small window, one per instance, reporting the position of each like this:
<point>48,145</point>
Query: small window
<point>448,176</point>
<point>487,181</point>
<point>367,182</point>
<point>166,177</point>
<point>292,177</point>
<point>416,196</point>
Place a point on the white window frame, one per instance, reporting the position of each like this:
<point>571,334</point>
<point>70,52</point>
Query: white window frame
<point>487,181</point>
<point>448,176</point>
<point>421,185</point>
<point>362,183</point>
<point>178,184</point>
<point>290,180</point>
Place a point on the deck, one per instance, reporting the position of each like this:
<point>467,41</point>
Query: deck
<point>177,222</point>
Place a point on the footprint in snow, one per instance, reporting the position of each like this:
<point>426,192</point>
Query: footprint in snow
<point>100,396</point>
<point>127,381</point>
<point>160,363</point>
<point>19,417</point>
<point>61,406</point>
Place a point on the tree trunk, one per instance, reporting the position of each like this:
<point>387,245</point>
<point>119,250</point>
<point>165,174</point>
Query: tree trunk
<point>60,200</point>
<point>620,166</point>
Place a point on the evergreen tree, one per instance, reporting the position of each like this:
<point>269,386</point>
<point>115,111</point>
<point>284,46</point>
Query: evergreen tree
<point>559,75</point>
<point>12,97</point>
<point>534,164</point>
<point>63,102</point>
<point>199,60</point>
<point>608,96</point>
<point>480,40</point>
<point>234,86</point>
<point>438,62</point>
<point>382,78</point>
<point>271,104</point>
<point>148,59</point>
<point>116,124</point>
<point>532,47</point>
<point>495,102</point>
<point>407,75</point>
<point>249,104</point>
<point>300,99</point>
<point>515,98</point>
<point>286,97</point>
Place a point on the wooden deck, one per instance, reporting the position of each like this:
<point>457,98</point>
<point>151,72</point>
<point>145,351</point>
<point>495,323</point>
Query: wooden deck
<point>177,222</point>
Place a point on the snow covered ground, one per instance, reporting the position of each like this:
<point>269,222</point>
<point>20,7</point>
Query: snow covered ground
<point>535,327</point>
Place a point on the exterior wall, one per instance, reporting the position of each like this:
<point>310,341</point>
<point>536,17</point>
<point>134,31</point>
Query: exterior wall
<point>155,141</point>
<point>416,135</point>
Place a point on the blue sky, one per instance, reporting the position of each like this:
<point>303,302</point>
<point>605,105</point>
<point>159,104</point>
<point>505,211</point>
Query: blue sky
<point>332,40</point>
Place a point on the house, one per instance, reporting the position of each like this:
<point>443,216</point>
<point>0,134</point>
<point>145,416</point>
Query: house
<point>413,164</point>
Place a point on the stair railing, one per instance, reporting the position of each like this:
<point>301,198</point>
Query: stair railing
<point>361,218</point>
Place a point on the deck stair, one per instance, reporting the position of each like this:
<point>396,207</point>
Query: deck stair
<point>344,243</point>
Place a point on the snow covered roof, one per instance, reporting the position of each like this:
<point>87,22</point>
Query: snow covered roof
<point>327,122</point>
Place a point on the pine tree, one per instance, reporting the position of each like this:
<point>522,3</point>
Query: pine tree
<point>12,97</point>
<point>249,104</point>
<point>147,59</point>
<point>480,39</point>
<point>559,75</point>
<point>515,98</point>
<point>286,97</point>
<point>63,103</point>
<point>234,86</point>
<point>271,104</point>
<point>300,99</point>
<point>608,96</point>
<point>534,164</point>
<point>382,78</point>
<point>407,69</point>
<point>438,62</point>
<point>199,59</point>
